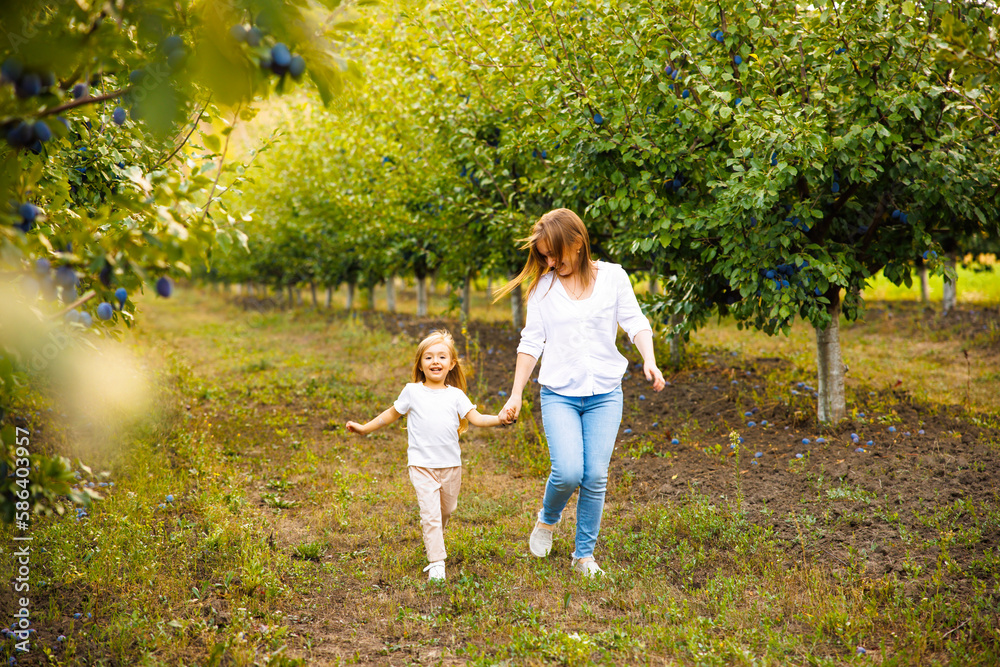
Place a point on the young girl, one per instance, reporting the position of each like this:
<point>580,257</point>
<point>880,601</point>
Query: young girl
<point>437,412</point>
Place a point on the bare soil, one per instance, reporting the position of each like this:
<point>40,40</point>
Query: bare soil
<point>823,499</point>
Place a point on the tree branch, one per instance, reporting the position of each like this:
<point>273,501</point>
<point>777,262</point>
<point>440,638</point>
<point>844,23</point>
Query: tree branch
<point>222,160</point>
<point>88,99</point>
<point>194,126</point>
<point>819,232</point>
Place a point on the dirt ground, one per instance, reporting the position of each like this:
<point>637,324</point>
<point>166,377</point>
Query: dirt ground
<point>925,481</point>
<point>913,470</point>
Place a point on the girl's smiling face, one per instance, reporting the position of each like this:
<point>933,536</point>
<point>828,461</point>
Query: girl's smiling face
<point>436,362</point>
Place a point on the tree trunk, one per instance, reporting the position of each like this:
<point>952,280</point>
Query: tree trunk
<point>312,288</point>
<point>466,297</point>
<point>654,284</point>
<point>925,288</point>
<point>489,292</point>
<point>298,295</point>
<point>291,296</point>
<point>329,297</point>
<point>350,296</point>
<point>676,344</point>
<point>422,296</point>
<point>832,404</point>
<point>390,293</point>
<point>517,307</point>
<point>949,298</point>
<point>370,297</point>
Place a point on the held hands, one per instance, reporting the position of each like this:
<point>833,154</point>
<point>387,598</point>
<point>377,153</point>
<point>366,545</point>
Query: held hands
<point>653,373</point>
<point>510,411</point>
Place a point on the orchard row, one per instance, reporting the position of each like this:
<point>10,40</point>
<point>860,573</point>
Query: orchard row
<point>688,147</point>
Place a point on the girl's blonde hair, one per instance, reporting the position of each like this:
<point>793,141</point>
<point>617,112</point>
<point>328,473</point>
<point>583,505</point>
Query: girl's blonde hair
<point>561,229</point>
<point>456,376</point>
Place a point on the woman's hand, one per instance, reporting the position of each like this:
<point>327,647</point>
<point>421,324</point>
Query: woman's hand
<point>653,373</point>
<point>510,411</point>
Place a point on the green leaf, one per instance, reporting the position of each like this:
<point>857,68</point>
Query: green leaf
<point>212,142</point>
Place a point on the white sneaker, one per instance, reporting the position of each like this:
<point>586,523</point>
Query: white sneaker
<point>540,542</point>
<point>435,571</point>
<point>588,567</point>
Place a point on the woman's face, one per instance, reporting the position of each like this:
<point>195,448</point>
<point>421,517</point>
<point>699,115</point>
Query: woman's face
<point>563,266</point>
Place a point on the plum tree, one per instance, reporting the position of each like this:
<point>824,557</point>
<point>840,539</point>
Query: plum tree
<point>760,141</point>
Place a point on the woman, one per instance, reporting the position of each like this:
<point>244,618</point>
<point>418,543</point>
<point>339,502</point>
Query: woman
<point>574,308</point>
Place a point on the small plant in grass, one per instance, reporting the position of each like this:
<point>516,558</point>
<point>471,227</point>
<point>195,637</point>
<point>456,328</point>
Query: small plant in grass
<point>626,481</point>
<point>687,426</point>
<point>279,485</point>
<point>257,366</point>
<point>277,502</point>
<point>641,447</point>
<point>310,550</point>
<point>713,450</point>
<point>889,418</point>
<point>235,502</point>
<point>911,566</point>
<point>734,444</point>
<point>797,464</point>
<point>848,492</point>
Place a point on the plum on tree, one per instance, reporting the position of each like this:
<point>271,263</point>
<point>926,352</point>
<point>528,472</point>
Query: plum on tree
<point>164,286</point>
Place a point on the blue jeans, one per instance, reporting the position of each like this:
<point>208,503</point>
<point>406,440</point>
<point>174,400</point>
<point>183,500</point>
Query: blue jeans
<point>581,431</point>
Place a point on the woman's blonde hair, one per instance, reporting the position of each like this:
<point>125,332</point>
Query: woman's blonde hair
<point>456,376</point>
<point>561,229</point>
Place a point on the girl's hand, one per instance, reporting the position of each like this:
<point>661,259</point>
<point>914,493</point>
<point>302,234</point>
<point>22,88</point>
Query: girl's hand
<point>510,411</point>
<point>653,373</point>
<point>355,427</point>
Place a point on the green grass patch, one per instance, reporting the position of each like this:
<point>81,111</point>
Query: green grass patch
<point>975,286</point>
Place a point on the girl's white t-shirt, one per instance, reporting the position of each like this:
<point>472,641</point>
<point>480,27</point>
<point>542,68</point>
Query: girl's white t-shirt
<point>432,420</point>
<point>578,336</point>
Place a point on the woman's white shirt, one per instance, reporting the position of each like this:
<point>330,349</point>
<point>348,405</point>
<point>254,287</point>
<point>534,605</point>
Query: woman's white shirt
<point>578,336</point>
<point>432,420</point>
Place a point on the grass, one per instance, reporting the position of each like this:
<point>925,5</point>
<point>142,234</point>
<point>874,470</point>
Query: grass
<point>975,287</point>
<point>291,542</point>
